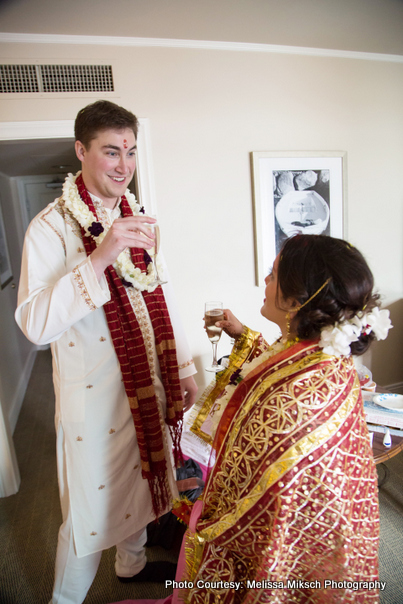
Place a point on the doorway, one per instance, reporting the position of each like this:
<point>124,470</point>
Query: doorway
<point>37,144</point>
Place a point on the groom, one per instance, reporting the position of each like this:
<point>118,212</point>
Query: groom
<point>123,372</point>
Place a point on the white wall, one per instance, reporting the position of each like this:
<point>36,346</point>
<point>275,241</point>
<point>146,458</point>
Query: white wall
<point>208,109</point>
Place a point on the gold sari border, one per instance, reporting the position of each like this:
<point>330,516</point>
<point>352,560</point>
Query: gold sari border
<point>241,349</point>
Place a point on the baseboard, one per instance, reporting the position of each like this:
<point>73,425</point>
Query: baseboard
<point>396,388</point>
<point>21,389</point>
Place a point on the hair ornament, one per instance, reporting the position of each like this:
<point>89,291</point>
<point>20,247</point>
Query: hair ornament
<point>313,296</point>
<point>336,339</point>
<point>295,310</point>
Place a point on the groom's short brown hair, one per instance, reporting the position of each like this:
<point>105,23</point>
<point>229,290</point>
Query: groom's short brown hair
<point>102,115</point>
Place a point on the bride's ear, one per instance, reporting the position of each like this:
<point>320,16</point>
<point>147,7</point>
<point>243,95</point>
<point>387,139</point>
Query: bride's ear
<point>292,305</point>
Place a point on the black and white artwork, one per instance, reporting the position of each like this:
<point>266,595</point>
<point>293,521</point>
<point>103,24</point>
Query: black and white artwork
<point>295,193</point>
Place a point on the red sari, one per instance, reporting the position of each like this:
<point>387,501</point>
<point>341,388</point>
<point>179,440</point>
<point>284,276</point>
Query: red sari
<point>290,508</point>
<point>292,499</point>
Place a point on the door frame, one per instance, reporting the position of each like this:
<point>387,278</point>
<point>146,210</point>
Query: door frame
<point>13,131</point>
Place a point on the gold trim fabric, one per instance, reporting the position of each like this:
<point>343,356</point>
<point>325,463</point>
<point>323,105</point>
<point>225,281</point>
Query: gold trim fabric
<point>54,229</point>
<point>82,289</point>
<point>250,345</point>
<point>187,364</point>
<point>292,499</point>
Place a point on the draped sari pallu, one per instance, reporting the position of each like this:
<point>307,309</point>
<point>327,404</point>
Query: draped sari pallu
<point>290,508</point>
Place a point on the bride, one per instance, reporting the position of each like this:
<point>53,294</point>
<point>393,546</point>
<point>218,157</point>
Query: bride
<point>290,508</point>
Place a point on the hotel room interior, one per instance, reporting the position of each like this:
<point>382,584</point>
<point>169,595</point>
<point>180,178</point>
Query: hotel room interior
<point>212,82</point>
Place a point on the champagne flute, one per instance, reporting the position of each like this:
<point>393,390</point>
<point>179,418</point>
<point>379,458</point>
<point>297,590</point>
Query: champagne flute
<point>213,312</point>
<point>154,252</point>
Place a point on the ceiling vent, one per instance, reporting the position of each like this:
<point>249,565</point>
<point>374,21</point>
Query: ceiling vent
<point>56,78</point>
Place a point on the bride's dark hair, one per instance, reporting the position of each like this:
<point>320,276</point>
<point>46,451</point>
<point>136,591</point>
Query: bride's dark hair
<point>306,262</point>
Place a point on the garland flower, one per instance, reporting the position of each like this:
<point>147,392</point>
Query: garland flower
<point>336,339</point>
<point>123,265</point>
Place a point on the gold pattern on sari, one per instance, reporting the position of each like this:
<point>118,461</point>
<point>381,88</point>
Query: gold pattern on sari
<point>256,437</point>
<point>293,494</point>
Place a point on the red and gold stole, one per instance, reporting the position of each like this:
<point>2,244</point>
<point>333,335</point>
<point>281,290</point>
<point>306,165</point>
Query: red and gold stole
<point>131,352</point>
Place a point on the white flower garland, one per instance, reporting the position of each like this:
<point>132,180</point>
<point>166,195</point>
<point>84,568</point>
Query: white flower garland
<point>123,264</point>
<point>336,340</point>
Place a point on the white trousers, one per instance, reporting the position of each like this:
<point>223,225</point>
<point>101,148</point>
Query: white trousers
<point>73,575</point>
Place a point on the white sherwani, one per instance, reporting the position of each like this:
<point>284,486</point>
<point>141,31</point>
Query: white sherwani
<point>60,302</point>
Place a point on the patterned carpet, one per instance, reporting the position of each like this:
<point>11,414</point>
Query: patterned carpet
<point>29,520</point>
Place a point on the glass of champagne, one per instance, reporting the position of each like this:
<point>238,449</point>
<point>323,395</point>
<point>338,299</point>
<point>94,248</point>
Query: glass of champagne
<point>213,312</point>
<point>154,252</point>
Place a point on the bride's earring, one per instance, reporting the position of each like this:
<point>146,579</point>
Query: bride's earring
<point>288,325</point>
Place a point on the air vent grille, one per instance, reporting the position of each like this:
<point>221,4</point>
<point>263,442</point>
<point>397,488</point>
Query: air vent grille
<point>56,78</point>
<point>18,78</point>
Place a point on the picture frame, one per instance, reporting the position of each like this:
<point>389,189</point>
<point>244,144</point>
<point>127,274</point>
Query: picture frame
<point>5,265</point>
<point>295,192</point>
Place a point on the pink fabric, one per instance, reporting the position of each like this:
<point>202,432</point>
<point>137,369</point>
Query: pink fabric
<point>194,516</point>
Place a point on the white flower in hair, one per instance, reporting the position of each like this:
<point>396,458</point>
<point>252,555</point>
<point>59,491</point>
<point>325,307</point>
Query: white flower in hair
<point>377,321</point>
<point>336,340</point>
<point>357,323</point>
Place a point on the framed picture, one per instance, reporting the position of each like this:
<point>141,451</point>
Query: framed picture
<point>295,192</point>
<point>5,267</point>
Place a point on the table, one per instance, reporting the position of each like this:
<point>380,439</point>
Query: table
<point>382,453</point>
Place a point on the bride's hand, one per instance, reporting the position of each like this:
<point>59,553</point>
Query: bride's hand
<point>231,325</point>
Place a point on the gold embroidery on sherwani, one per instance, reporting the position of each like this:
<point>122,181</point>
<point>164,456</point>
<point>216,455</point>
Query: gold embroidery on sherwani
<point>44,217</point>
<point>68,218</point>
<point>82,288</point>
<point>187,364</point>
